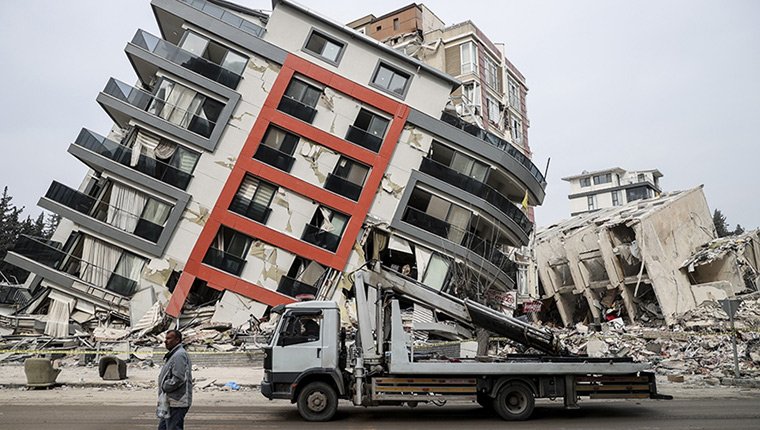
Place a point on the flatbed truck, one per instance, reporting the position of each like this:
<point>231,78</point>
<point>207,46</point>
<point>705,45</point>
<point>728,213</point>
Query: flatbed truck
<point>315,369</point>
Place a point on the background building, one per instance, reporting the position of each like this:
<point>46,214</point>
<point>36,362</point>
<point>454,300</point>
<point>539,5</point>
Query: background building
<point>591,191</point>
<point>260,159</point>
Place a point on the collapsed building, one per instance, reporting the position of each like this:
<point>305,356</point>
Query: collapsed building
<point>649,260</point>
<point>260,158</point>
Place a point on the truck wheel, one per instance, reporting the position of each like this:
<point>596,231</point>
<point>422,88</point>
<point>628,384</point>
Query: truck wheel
<point>317,401</point>
<point>514,402</point>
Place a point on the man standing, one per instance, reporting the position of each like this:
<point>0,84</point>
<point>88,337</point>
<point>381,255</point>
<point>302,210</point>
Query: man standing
<point>176,380</point>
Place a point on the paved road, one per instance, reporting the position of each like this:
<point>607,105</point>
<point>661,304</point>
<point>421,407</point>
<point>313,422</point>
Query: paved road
<point>723,414</point>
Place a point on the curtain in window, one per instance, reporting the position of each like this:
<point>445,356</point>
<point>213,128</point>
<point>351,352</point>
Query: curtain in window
<point>379,242</point>
<point>181,104</point>
<point>326,224</point>
<point>459,218</point>
<point>165,149</point>
<point>99,260</point>
<point>156,212</point>
<point>125,207</point>
<point>145,144</point>
<point>130,266</point>
<point>184,160</point>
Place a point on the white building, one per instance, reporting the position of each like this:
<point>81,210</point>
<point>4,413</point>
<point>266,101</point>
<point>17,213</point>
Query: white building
<point>591,191</point>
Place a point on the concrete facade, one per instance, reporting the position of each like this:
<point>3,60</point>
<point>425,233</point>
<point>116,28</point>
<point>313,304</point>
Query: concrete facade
<point>260,158</point>
<point>591,191</point>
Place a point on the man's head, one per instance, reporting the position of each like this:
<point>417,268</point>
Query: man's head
<point>173,338</point>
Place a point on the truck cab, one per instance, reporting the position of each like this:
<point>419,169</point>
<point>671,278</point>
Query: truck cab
<point>303,358</point>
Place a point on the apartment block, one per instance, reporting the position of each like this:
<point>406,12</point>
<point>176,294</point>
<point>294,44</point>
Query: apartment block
<point>591,191</point>
<point>263,157</point>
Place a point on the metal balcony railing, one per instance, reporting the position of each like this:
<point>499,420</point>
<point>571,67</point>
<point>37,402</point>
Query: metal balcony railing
<point>321,238</point>
<point>146,101</point>
<point>121,154</point>
<point>274,157</point>
<point>479,189</point>
<point>363,138</point>
<point>250,209</point>
<point>496,141</point>
<point>297,109</point>
<point>343,186</point>
<point>226,16</point>
<point>293,288</point>
<point>50,254</point>
<point>224,261</point>
<point>183,58</point>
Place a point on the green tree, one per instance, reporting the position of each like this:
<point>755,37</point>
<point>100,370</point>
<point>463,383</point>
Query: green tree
<point>739,229</point>
<point>10,226</point>
<point>721,226</point>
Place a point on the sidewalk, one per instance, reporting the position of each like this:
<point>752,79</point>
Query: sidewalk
<point>13,376</point>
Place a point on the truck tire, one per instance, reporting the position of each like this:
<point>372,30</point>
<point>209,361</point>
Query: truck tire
<point>514,402</point>
<point>317,401</point>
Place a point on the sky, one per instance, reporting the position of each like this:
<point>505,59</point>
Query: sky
<point>666,84</point>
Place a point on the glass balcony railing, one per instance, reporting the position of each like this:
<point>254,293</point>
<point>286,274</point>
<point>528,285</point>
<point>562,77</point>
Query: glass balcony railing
<point>146,101</point>
<point>224,261</point>
<point>321,238</point>
<point>226,16</point>
<point>152,167</point>
<point>489,250</point>
<point>293,288</point>
<point>297,109</point>
<point>274,157</point>
<point>479,189</point>
<point>102,211</point>
<point>250,209</point>
<point>50,254</point>
<point>343,187</point>
<point>190,61</point>
<point>496,141</point>
<point>362,138</point>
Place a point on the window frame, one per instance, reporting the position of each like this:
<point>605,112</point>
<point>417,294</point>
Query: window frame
<point>472,63</point>
<point>585,182</point>
<point>329,39</point>
<point>591,202</point>
<point>397,71</point>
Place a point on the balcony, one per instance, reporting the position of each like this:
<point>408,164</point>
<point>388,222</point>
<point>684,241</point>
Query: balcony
<point>469,240</point>
<point>151,167</point>
<point>293,288</point>
<point>496,141</point>
<point>362,138</point>
<point>50,254</point>
<point>479,189</point>
<point>99,211</point>
<point>274,157</point>
<point>225,16</point>
<point>223,261</point>
<point>321,238</point>
<point>297,109</point>
<point>155,106</point>
<point>176,55</point>
<point>249,209</point>
<point>343,187</point>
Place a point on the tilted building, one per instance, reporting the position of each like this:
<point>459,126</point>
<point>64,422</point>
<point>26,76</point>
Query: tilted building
<point>260,159</point>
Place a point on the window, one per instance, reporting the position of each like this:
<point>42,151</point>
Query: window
<point>299,328</point>
<point>391,80</point>
<point>514,95</point>
<point>436,272</point>
<point>152,220</point>
<point>323,46</point>
<point>637,193</point>
<point>395,24</point>
<point>231,64</point>
<point>185,108</point>
<point>493,78</point>
<point>602,179</point>
<point>585,182</point>
<point>494,114</point>
<point>437,215</point>
<point>642,178</point>
<point>616,198</point>
<point>228,251</point>
<point>300,100</point>
<point>516,130</point>
<point>348,178</point>
<point>458,161</point>
<point>591,202</point>
<point>368,130</point>
<point>325,229</point>
<point>471,93</point>
<point>277,148</point>
<point>468,54</point>
<point>253,198</point>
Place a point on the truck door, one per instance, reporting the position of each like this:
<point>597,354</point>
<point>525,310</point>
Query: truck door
<point>299,343</point>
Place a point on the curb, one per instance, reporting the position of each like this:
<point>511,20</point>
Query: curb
<point>741,382</point>
<point>115,384</point>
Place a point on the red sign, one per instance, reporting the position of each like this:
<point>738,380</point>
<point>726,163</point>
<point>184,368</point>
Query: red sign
<point>532,307</point>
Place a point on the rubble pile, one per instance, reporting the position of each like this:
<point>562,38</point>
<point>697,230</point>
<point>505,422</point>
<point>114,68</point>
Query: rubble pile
<point>699,344</point>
